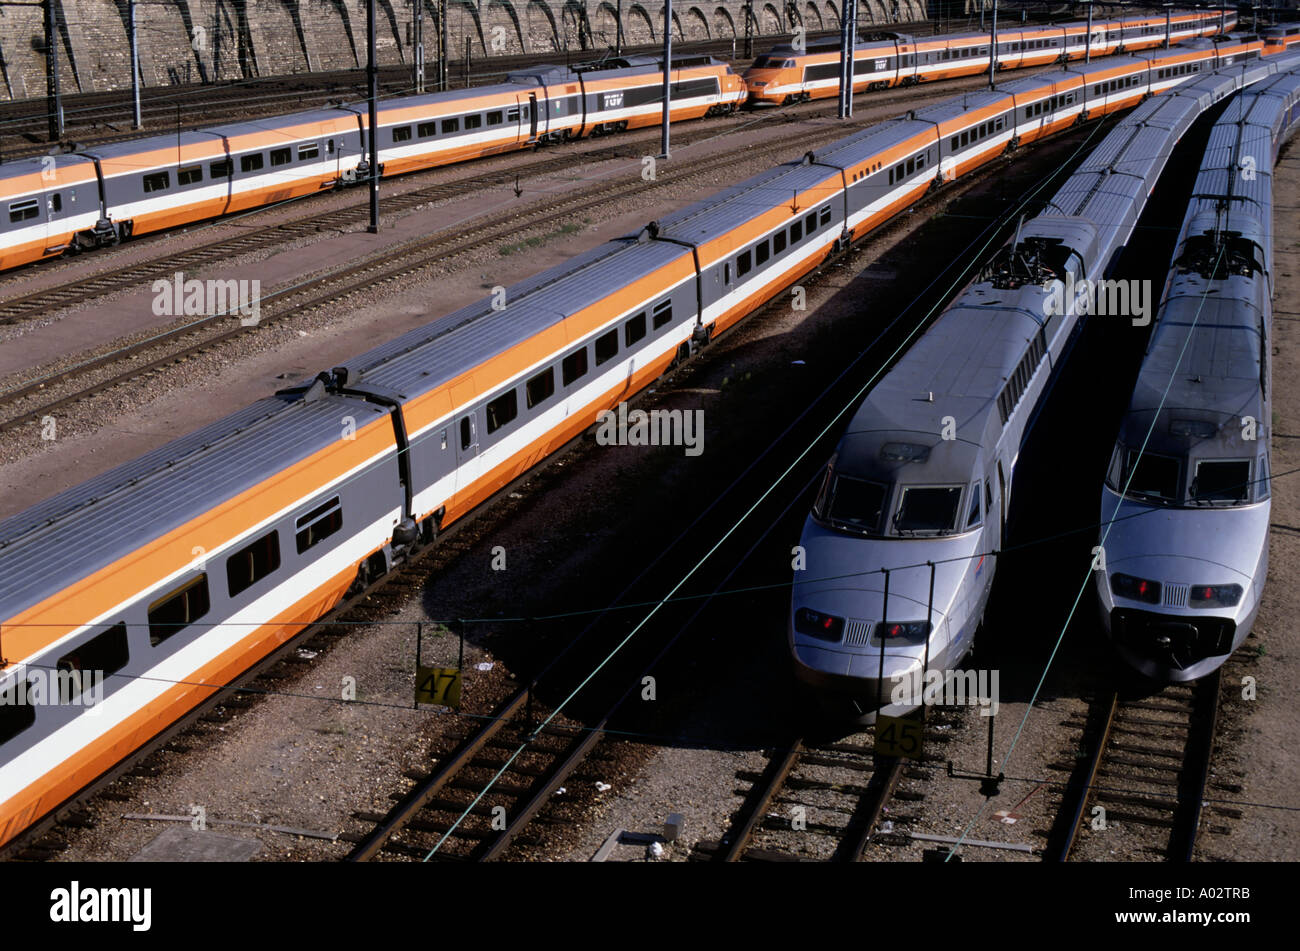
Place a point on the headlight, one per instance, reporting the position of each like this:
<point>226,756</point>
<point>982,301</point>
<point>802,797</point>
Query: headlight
<point>815,624</point>
<point>1214,595</point>
<point>902,630</point>
<point>1137,589</point>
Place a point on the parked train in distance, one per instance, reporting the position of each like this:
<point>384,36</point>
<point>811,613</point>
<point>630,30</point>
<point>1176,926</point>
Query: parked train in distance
<point>315,492</point>
<point>1185,505</point>
<point>788,74</point>
<point>901,540</point>
<point>54,204</point>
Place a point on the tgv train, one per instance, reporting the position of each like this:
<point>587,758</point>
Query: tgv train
<point>1279,39</point>
<point>1185,507</point>
<point>899,542</point>
<point>83,199</point>
<point>788,73</point>
<point>178,571</point>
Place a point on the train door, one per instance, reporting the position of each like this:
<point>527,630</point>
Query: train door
<point>54,214</point>
<point>468,464</point>
<point>532,117</point>
<point>465,434</point>
<point>1003,502</point>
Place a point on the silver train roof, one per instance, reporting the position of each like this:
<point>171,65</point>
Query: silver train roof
<point>962,361</point>
<point>1204,363</point>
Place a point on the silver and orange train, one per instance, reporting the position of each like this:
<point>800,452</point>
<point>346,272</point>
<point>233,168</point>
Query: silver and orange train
<point>82,199</point>
<point>171,575</point>
<point>788,74</point>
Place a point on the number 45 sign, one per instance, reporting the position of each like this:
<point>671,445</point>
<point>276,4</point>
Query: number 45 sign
<point>898,736</point>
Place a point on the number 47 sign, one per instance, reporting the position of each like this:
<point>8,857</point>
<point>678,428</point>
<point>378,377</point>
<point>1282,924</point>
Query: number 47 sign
<point>440,685</point>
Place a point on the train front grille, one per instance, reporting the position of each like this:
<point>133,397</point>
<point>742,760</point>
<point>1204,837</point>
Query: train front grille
<point>857,633</point>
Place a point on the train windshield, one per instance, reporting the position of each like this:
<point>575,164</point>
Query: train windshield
<point>771,62</point>
<point>1221,482</point>
<point>852,505</point>
<point>931,509</point>
<point>1149,477</point>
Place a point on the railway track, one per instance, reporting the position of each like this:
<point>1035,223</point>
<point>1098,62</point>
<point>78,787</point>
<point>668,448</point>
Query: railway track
<point>1146,768</point>
<point>848,810</point>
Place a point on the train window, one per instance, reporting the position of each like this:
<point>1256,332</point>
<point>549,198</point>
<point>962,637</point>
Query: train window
<point>973,517</point>
<point>911,166</point>
<point>426,130</point>
<point>466,433</point>
<point>634,330</point>
<point>512,115</point>
<point>810,223</point>
<point>540,388</point>
<point>956,142</point>
<point>1221,481</point>
<point>743,264</point>
<point>16,711</point>
<point>663,312</point>
<point>252,563</point>
<point>281,156</point>
<point>778,242</point>
<point>450,125</point>
<point>309,151</point>
<point>965,139</point>
<point>495,117</point>
<point>318,524</point>
<point>502,410</point>
<point>928,509</point>
<point>329,147</point>
<point>176,611</point>
<point>473,121</point>
<point>988,494</point>
<point>250,163</point>
<point>898,172</point>
<point>157,181</point>
<point>761,253</point>
<point>574,366</point>
<point>23,210</point>
<point>104,655</point>
<point>825,215</point>
<point>189,175</point>
<point>796,232</point>
<point>219,169</point>
<point>1262,484</point>
<point>402,133</point>
<point>1150,475</point>
<point>606,346</point>
<point>850,503</point>
<point>56,202</point>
